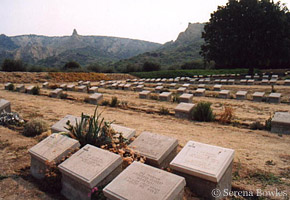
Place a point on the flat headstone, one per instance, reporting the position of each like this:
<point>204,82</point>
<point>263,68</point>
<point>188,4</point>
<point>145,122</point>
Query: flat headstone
<point>20,88</point>
<point>139,88</point>
<point>63,86</point>
<point>88,168</point>
<point>127,86</point>
<point>80,83</point>
<point>45,85</point>
<point>186,98</point>
<point>5,106</point>
<point>225,94</point>
<point>158,89</point>
<point>241,95</point>
<point>205,167</point>
<point>181,90</point>
<point>217,87</point>
<point>87,83</point>
<point>7,85</point>
<point>231,81</point>
<point>258,96</point>
<point>287,82</point>
<point>165,96</point>
<point>59,126</point>
<point>81,88</point>
<point>183,110</point>
<point>201,86</point>
<point>250,82</point>
<point>145,94</point>
<point>265,82</point>
<point>126,132</point>
<point>172,85</point>
<point>71,87</point>
<point>95,98</point>
<point>52,149</point>
<point>158,149</point>
<point>275,98</point>
<point>93,89</point>
<point>29,89</point>
<point>56,93</point>
<point>243,81</point>
<point>281,123</point>
<point>200,92</point>
<point>186,85</point>
<point>142,182</point>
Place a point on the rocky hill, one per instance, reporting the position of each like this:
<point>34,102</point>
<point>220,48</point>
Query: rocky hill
<point>56,51</point>
<point>174,53</point>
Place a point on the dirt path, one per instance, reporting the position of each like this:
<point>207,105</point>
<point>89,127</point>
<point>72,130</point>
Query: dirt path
<point>253,148</point>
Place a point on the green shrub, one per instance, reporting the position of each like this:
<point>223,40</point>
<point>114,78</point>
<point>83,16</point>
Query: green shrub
<point>35,90</point>
<point>203,112</point>
<point>10,87</point>
<point>164,111</point>
<point>105,103</point>
<point>256,126</point>
<point>268,124</point>
<point>35,127</point>
<point>63,95</point>
<point>114,102</point>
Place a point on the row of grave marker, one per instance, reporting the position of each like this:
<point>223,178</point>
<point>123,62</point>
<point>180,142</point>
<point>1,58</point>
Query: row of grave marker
<point>202,167</point>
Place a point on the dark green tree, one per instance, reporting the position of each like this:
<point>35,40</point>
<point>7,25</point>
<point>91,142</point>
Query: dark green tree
<point>150,66</point>
<point>248,33</point>
<point>72,65</point>
<point>10,65</point>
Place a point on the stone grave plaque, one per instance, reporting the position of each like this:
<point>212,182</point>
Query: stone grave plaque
<point>82,88</point>
<point>56,93</point>
<point>20,88</point>
<point>80,82</point>
<point>63,86</point>
<point>158,89</point>
<point>183,110</point>
<point>165,96</point>
<point>7,85</point>
<point>159,150</point>
<point>5,106</point>
<point>93,90</point>
<point>145,94</point>
<point>217,87</point>
<point>200,92</point>
<point>258,96</point>
<point>142,182</point>
<point>139,88</point>
<point>95,98</point>
<point>29,89</point>
<point>205,167</point>
<point>45,85</point>
<point>281,123</point>
<point>275,98</point>
<point>186,98</point>
<point>224,94</point>
<point>71,87</point>
<point>241,95</point>
<point>181,90</point>
<point>87,168</point>
<point>59,126</point>
<point>126,132</point>
<point>52,149</point>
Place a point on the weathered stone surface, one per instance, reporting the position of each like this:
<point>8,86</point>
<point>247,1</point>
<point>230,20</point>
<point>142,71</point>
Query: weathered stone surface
<point>127,86</point>
<point>52,149</point>
<point>251,82</point>
<point>186,98</point>
<point>142,182</point>
<point>63,86</point>
<point>139,88</point>
<point>200,92</point>
<point>29,89</point>
<point>217,87</point>
<point>201,86</point>
<point>205,167</point>
<point>158,89</point>
<point>80,83</point>
<point>45,85</point>
<point>56,93</point>
<point>183,110</point>
<point>241,95</point>
<point>93,90</point>
<point>281,123</point>
<point>5,106</point>
<point>71,87</point>
<point>87,83</point>
<point>258,96</point>
<point>181,90</point>
<point>96,98</point>
<point>275,98</point>
<point>81,88</point>
<point>59,126</point>
<point>20,88</point>
<point>172,85</point>
<point>158,149</point>
<point>126,132</point>
<point>88,168</point>
<point>225,94</point>
<point>144,94</point>
<point>165,96</point>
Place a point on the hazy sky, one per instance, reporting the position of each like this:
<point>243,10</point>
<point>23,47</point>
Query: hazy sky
<point>151,20</point>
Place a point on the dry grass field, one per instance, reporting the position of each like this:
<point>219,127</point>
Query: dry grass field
<point>262,159</point>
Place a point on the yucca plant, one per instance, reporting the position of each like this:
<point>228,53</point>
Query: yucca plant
<point>203,112</point>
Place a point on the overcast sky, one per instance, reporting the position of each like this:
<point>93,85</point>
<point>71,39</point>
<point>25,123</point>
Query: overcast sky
<point>152,20</point>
